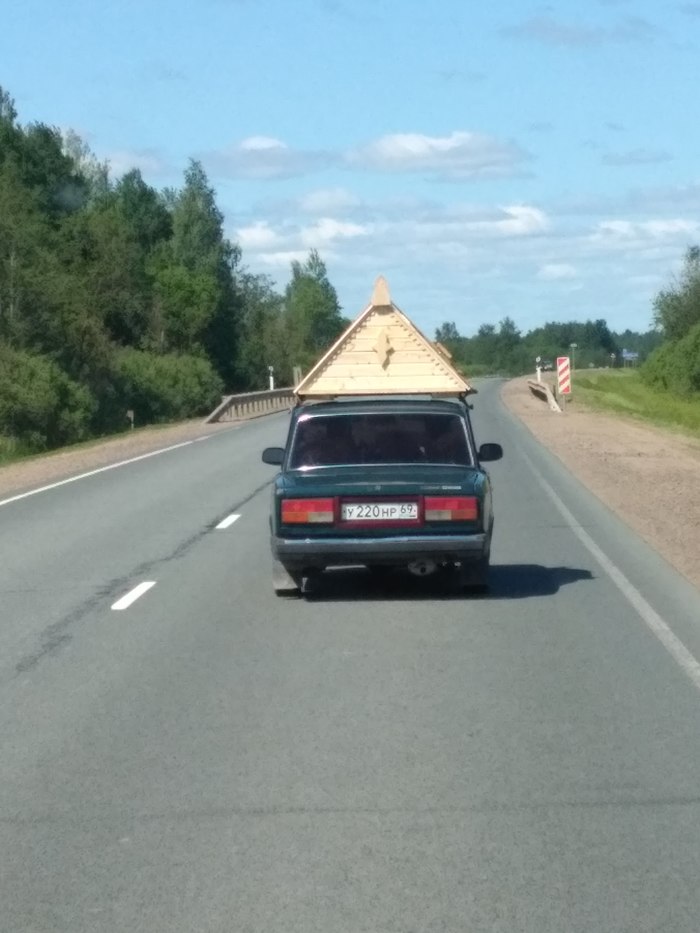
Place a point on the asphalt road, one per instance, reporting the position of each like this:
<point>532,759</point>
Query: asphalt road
<point>384,758</point>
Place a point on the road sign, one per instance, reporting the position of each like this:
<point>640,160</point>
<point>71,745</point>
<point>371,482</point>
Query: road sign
<point>564,375</point>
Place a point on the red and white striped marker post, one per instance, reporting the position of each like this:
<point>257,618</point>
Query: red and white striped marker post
<point>564,375</point>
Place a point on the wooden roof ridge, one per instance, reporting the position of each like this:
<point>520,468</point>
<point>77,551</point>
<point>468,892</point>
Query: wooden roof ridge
<point>346,370</point>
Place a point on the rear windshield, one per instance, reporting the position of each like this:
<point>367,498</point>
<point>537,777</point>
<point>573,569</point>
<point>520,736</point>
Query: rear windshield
<point>332,440</point>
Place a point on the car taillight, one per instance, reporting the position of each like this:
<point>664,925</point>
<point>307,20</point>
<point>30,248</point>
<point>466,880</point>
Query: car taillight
<point>451,508</point>
<point>307,511</point>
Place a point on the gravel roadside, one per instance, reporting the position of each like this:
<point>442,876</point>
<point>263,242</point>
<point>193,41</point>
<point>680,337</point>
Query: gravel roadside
<point>45,469</point>
<point>648,476</point>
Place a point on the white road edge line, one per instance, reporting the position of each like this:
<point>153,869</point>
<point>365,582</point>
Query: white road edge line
<point>111,466</point>
<point>128,598</point>
<point>675,647</point>
<point>228,521</point>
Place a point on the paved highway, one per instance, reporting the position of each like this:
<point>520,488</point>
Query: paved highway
<point>384,757</point>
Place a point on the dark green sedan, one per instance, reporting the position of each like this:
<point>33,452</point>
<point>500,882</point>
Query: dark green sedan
<point>381,482</point>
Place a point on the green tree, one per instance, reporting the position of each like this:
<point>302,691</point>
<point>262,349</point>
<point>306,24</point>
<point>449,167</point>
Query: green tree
<point>677,309</point>
<point>312,312</point>
<point>23,237</point>
<point>262,342</point>
<point>39,403</point>
<point>447,333</point>
<point>145,211</point>
<point>198,250</point>
<point>163,387</point>
<point>95,174</point>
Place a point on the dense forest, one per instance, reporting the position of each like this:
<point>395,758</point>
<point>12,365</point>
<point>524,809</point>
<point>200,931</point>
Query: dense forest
<point>504,349</point>
<point>117,297</point>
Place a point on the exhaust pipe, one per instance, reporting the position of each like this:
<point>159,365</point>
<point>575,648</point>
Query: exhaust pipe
<point>422,568</point>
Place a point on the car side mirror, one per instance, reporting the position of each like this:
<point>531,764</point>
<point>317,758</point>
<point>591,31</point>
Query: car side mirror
<point>489,452</point>
<point>273,455</point>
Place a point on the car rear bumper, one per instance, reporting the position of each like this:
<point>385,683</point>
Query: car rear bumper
<point>300,553</point>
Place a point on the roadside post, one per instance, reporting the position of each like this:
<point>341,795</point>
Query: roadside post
<point>564,378</point>
<point>538,368</point>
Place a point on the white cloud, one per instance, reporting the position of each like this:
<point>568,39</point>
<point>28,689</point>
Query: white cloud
<point>617,230</point>
<point>662,228</point>
<point>460,155</point>
<point>472,263</point>
<point>264,158</point>
<point>520,220</point>
<point>460,238</point>
<point>261,144</point>
<point>556,271</point>
<point>328,200</point>
<point>257,237</point>
<point>649,202</point>
<point>326,230</point>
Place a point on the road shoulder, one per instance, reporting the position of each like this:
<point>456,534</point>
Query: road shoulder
<point>53,467</point>
<point>647,476</point>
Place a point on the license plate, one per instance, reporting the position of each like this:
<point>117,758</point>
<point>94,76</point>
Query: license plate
<point>379,511</point>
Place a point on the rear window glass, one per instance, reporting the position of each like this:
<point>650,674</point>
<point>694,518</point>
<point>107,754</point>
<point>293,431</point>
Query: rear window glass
<point>331,440</point>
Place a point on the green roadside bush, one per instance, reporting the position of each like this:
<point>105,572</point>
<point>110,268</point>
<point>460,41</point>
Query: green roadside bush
<point>165,387</point>
<point>675,366</point>
<point>39,404</point>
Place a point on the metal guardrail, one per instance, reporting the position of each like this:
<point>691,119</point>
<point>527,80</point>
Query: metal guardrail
<point>251,405</point>
<point>543,391</point>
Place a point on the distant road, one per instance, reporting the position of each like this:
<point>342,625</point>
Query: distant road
<point>182,751</point>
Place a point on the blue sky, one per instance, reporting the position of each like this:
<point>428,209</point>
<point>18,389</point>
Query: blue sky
<point>535,161</point>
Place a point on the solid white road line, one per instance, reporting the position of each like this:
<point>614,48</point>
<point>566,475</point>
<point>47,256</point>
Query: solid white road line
<point>228,521</point>
<point>675,647</point>
<point>111,466</point>
<point>133,595</point>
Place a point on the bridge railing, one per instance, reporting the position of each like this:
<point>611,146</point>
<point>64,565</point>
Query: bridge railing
<point>251,405</point>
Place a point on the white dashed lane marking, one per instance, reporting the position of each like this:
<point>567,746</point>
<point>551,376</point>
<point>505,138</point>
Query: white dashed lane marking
<point>228,521</point>
<point>128,598</point>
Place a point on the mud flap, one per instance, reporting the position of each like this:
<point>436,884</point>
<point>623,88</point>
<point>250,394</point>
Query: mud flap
<point>474,575</point>
<point>285,583</point>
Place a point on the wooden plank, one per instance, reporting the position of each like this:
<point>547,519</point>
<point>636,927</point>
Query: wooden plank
<point>382,352</point>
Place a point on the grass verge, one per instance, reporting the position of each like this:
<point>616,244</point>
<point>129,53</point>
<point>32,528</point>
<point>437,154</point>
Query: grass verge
<point>12,450</point>
<point>623,392</point>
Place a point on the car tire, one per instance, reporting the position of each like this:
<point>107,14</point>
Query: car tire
<point>474,576</point>
<point>285,582</point>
